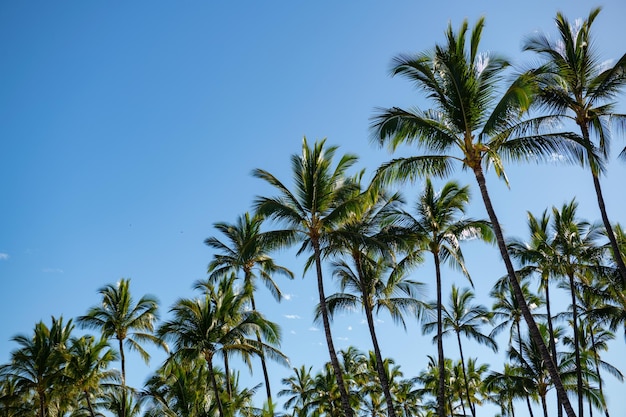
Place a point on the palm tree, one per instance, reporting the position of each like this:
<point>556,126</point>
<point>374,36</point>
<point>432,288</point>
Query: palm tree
<point>87,367</point>
<point>320,202</point>
<point>438,230</point>
<point>376,286</point>
<point>178,388</point>
<point>465,318</point>
<point>130,323</point>
<point>300,387</point>
<point>576,254</point>
<point>38,365</point>
<point>578,85</point>
<point>213,324</point>
<point>247,250</point>
<point>471,126</point>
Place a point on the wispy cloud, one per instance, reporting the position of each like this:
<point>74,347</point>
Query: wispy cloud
<point>52,270</point>
<point>349,327</point>
<point>314,329</point>
<point>293,332</point>
<point>344,339</point>
<point>292,316</point>
<point>4,256</point>
<point>288,297</point>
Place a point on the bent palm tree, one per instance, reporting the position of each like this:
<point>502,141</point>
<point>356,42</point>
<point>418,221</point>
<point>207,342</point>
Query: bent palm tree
<point>321,201</point>
<point>471,126</point>
<point>132,324</point>
<point>247,250</point>
<point>576,80</point>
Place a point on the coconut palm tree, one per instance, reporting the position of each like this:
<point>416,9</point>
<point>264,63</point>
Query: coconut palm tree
<point>300,387</point>
<point>576,254</point>
<point>438,229</point>
<point>214,325</point>
<point>376,286</point>
<point>321,201</point>
<point>471,125</point>
<point>38,365</point>
<point>119,317</point>
<point>247,250</point>
<point>87,367</point>
<point>577,84</point>
<point>463,317</point>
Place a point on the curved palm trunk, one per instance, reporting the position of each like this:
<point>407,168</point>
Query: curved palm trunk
<point>209,360</point>
<point>345,400</point>
<point>229,390</point>
<point>268,390</point>
<point>579,375</point>
<point>470,404</point>
<point>123,364</point>
<point>517,290</point>
<point>441,388</point>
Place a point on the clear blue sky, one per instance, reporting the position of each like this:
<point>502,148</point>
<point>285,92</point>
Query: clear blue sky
<point>128,128</point>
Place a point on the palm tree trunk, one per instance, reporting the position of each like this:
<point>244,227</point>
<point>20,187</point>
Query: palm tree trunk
<point>597,363</point>
<point>441,388</point>
<point>605,218</point>
<point>123,364</point>
<point>89,405</point>
<point>209,360</point>
<point>517,290</point>
<point>579,375</point>
<point>345,400</point>
<point>544,406</point>
<point>551,343</point>
<point>521,353</point>
<point>384,382</point>
<point>229,390</point>
<point>42,403</point>
<point>268,390</point>
<point>470,404</point>
<point>367,306</point>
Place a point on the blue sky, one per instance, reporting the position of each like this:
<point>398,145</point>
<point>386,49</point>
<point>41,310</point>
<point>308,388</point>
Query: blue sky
<point>129,128</point>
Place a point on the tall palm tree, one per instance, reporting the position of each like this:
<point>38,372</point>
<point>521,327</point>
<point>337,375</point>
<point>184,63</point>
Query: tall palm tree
<point>576,254</point>
<point>464,318</point>
<point>374,285</point>
<point>119,317</point>
<point>87,367</point>
<point>247,250</point>
<point>438,229</point>
<point>38,365</point>
<point>577,84</point>
<point>470,125</point>
<point>321,201</point>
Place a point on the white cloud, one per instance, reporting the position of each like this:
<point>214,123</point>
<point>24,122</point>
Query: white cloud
<point>287,296</point>
<point>379,321</point>
<point>293,332</point>
<point>4,256</point>
<point>349,327</point>
<point>291,316</point>
<point>52,270</point>
<point>344,339</point>
<point>314,329</point>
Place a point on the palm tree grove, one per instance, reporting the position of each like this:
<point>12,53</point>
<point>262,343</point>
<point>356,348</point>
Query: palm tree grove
<point>535,345</point>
